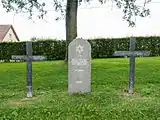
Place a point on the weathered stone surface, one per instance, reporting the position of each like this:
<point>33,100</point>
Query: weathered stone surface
<point>79,66</point>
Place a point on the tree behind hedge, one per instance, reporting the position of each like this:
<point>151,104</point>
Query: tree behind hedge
<point>68,8</point>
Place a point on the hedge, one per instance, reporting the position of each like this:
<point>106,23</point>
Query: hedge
<point>101,48</point>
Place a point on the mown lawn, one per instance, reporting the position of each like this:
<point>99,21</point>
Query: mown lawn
<point>107,101</point>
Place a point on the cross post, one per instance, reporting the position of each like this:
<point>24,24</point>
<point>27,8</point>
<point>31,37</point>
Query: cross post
<point>28,57</point>
<point>132,54</point>
<point>132,65</point>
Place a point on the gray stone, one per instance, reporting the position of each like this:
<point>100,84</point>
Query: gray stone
<point>79,66</point>
<point>28,57</point>
<point>131,53</point>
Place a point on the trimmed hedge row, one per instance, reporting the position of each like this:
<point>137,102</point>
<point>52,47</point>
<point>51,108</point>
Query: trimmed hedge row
<point>101,48</point>
<point>51,49</point>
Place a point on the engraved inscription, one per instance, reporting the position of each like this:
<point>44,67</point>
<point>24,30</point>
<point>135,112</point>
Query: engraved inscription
<point>79,49</point>
<point>79,70</point>
<point>79,66</point>
<point>79,62</point>
<point>78,82</point>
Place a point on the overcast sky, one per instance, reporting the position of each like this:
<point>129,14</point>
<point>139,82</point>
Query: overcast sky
<point>94,21</point>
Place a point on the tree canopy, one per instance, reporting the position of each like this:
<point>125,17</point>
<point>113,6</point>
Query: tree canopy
<point>130,8</point>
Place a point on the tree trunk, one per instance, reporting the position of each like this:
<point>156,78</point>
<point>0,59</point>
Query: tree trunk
<point>71,23</point>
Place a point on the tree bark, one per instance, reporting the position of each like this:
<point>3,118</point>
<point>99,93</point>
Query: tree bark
<point>71,23</point>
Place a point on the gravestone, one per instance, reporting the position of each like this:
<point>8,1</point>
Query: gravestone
<point>28,57</point>
<point>131,53</point>
<point>79,66</point>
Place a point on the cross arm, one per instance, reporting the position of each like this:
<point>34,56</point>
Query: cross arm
<point>23,57</point>
<point>18,57</point>
<point>131,53</point>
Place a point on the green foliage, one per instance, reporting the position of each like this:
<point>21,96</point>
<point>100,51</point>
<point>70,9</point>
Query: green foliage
<point>9,49</point>
<point>107,100</point>
<point>50,48</point>
<point>20,6</point>
<point>130,8</point>
<point>101,48</point>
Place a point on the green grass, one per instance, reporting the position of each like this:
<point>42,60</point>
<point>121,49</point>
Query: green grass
<point>107,101</point>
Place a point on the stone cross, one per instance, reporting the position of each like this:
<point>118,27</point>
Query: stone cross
<point>28,57</point>
<point>132,55</point>
<point>79,66</point>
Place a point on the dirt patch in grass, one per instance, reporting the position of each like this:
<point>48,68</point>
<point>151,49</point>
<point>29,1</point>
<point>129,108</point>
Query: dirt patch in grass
<point>134,96</point>
<point>16,103</point>
<point>21,102</point>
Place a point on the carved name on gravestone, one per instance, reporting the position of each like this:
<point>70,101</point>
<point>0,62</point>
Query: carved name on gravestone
<point>79,66</point>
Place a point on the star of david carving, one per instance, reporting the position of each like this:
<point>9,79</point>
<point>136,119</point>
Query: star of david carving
<point>79,49</point>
